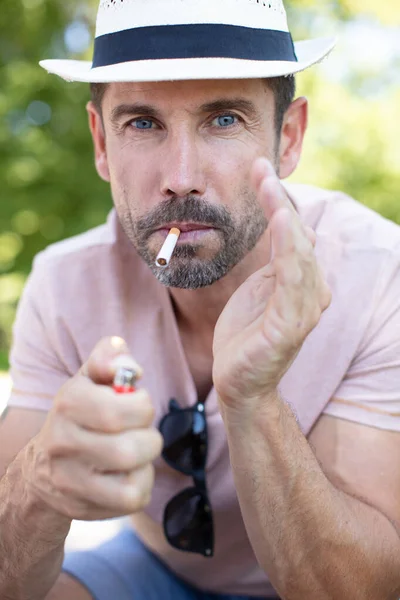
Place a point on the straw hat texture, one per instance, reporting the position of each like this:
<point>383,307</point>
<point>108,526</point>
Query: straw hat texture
<point>163,40</point>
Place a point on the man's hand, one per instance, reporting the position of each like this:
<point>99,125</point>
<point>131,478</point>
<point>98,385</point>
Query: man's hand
<point>93,458</point>
<point>267,320</point>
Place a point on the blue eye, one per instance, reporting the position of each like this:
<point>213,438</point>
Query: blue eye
<point>143,124</point>
<point>226,120</point>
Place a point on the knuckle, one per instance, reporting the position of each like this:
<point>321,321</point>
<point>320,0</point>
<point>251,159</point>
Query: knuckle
<point>141,488</point>
<point>65,400</point>
<point>69,398</point>
<point>150,414</point>
<point>146,499</point>
<point>154,446</point>
<point>109,419</point>
<point>124,455</point>
<point>62,483</point>
<point>159,443</point>
<point>149,410</point>
<point>151,475</point>
<point>316,316</point>
<point>292,247</point>
<point>60,442</point>
<point>130,499</point>
<point>144,404</point>
<point>79,511</point>
<point>297,276</point>
<point>307,258</point>
<point>148,488</point>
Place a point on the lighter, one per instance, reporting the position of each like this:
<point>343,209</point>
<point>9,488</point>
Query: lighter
<point>124,381</point>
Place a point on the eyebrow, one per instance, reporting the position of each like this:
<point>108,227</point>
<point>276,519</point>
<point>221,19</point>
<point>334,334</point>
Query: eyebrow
<point>221,104</point>
<point>126,110</point>
<point>137,108</point>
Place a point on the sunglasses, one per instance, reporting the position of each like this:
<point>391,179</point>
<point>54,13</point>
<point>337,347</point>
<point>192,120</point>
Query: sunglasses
<point>188,522</point>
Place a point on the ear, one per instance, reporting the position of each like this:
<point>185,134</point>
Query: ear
<point>292,136</point>
<point>99,141</point>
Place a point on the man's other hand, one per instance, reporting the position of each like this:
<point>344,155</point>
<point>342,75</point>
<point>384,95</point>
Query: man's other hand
<point>266,321</point>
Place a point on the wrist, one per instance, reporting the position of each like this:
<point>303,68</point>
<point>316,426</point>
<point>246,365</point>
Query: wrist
<point>251,411</point>
<point>32,537</point>
<point>32,512</point>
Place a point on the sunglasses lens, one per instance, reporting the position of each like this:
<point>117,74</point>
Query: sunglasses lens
<point>185,440</point>
<point>188,523</point>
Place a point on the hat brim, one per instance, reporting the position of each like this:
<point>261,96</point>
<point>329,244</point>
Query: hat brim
<point>308,53</point>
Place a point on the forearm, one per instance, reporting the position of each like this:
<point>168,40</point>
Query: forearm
<point>32,537</point>
<point>314,541</point>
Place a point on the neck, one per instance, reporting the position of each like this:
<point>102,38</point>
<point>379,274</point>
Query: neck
<point>197,311</point>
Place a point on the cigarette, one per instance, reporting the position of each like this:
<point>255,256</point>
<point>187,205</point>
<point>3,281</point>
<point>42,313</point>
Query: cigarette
<point>168,248</point>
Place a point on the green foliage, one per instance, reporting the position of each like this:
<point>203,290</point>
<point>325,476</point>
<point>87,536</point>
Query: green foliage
<point>49,187</point>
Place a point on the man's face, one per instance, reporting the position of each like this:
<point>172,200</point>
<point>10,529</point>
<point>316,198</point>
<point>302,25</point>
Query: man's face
<point>180,154</point>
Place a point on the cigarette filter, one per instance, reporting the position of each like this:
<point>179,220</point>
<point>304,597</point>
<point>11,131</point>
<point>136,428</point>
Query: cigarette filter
<point>168,248</point>
<point>124,381</point>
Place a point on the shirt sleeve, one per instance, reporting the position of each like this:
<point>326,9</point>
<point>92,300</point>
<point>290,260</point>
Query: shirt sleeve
<point>36,366</point>
<point>370,392</point>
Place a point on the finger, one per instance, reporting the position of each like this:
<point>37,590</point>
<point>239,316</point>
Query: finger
<point>259,171</point>
<point>85,494</point>
<point>297,277</point>
<point>273,196</point>
<point>286,251</point>
<point>288,236</point>
<point>265,181</point>
<point>109,354</point>
<point>99,408</point>
<point>264,169</point>
<point>122,452</point>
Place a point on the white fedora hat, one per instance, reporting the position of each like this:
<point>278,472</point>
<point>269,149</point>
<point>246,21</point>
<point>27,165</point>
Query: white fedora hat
<point>162,40</point>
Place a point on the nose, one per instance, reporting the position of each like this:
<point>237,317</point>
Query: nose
<point>182,169</point>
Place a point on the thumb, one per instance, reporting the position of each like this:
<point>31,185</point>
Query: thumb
<point>108,356</point>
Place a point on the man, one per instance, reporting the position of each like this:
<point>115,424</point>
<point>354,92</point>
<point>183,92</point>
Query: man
<point>260,456</point>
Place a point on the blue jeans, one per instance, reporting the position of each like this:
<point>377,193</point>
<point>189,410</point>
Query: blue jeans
<point>124,569</point>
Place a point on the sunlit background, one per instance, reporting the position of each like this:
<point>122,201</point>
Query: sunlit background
<point>48,186</point>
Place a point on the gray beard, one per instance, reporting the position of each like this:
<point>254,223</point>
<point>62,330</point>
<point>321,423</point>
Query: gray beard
<point>186,270</point>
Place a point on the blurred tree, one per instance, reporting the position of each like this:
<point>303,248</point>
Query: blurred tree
<point>49,188</point>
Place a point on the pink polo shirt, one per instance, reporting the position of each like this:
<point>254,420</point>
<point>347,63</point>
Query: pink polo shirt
<point>95,285</point>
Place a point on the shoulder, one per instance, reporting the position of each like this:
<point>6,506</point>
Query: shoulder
<point>358,251</point>
<point>85,288</point>
<point>95,252</point>
<point>342,219</point>
<point>84,246</point>
<point>84,270</point>
<point>357,339</point>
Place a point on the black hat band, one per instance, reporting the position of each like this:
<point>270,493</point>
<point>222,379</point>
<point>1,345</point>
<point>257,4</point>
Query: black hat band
<point>193,41</point>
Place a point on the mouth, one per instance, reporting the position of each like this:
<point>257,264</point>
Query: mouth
<point>185,227</point>
<point>190,232</point>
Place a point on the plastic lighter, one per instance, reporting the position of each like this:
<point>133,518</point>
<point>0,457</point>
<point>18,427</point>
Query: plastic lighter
<point>125,380</point>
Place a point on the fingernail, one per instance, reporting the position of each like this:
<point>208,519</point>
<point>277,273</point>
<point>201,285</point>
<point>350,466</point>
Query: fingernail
<point>117,342</point>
